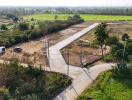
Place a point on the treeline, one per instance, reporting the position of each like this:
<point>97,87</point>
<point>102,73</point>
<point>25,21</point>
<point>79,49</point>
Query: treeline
<point>25,32</point>
<point>48,27</point>
<point>21,11</point>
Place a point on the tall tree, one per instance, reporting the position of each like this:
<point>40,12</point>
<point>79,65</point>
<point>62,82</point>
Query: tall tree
<point>101,35</point>
<point>56,17</point>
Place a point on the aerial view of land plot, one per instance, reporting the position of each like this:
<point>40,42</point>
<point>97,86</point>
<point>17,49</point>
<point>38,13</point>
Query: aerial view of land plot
<point>65,50</point>
<point>84,51</point>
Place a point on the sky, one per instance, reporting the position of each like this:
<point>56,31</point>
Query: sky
<point>74,3</point>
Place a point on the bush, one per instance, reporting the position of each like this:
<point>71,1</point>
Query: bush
<point>121,70</point>
<point>24,34</point>
<point>23,26</point>
<point>54,26</point>
<point>129,47</point>
<point>3,27</point>
<point>108,58</point>
<point>30,83</point>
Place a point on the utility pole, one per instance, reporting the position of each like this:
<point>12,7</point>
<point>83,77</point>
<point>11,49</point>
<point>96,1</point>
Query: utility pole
<point>81,55</point>
<point>124,49</point>
<point>68,54</point>
<point>47,45</point>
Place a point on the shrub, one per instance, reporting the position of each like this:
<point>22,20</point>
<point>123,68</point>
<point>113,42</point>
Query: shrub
<point>29,83</point>
<point>23,26</point>
<point>24,33</point>
<point>108,58</point>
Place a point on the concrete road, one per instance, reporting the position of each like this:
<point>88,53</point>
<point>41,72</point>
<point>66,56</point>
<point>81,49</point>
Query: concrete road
<point>82,78</point>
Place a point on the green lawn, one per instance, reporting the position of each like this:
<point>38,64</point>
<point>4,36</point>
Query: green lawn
<point>84,16</point>
<point>109,88</point>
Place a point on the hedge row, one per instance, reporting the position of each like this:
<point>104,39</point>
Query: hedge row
<point>9,38</point>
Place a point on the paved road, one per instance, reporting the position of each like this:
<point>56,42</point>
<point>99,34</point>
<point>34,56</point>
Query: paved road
<point>82,77</point>
<point>82,82</point>
<point>56,60</point>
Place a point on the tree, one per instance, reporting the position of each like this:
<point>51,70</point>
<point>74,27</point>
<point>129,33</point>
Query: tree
<point>121,67</point>
<point>112,40</point>
<point>13,17</point>
<point>76,17</point>
<point>101,35</point>
<point>125,37</point>
<point>32,19</point>
<point>129,47</point>
<point>3,27</point>
<point>119,56</point>
<point>56,17</point>
<point>23,26</point>
<point>32,26</point>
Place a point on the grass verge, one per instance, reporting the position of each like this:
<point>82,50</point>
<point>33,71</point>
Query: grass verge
<point>109,87</point>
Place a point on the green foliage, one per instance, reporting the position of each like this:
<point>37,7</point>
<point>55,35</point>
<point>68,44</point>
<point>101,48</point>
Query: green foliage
<point>117,51</point>
<point>101,35</point>
<point>25,34</point>
<point>11,38</point>
<point>32,26</point>
<point>118,55</point>
<point>56,17</point>
<point>32,19</point>
<point>48,27</point>
<point>116,47</point>
<point>129,47</point>
<point>121,70</point>
<point>112,40</point>
<point>3,27</point>
<point>109,87</point>
<point>108,58</point>
<point>30,83</point>
<point>125,37</point>
<point>23,26</point>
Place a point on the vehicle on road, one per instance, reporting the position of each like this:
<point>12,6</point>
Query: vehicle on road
<point>2,49</point>
<point>18,49</point>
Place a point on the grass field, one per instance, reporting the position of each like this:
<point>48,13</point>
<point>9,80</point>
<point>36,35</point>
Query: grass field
<point>108,87</point>
<point>84,16</point>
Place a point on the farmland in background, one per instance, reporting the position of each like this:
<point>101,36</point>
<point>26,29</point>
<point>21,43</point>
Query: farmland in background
<point>84,16</point>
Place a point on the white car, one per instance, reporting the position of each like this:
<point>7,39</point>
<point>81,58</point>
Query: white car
<point>2,49</point>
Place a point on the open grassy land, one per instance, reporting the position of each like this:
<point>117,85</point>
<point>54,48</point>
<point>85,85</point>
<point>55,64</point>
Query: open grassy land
<point>108,87</point>
<point>84,16</point>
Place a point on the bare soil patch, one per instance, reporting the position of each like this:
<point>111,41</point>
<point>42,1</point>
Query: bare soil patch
<point>79,53</point>
<point>85,55</point>
<point>119,30</point>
